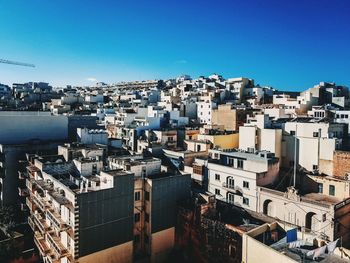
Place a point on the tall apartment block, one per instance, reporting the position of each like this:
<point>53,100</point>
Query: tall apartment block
<point>81,211</point>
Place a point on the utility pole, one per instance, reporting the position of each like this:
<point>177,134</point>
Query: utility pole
<point>295,155</point>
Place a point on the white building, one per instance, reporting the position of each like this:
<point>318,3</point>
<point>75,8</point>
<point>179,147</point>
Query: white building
<point>234,176</point>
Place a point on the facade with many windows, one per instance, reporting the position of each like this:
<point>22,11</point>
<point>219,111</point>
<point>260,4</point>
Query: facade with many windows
<point>234,176</point>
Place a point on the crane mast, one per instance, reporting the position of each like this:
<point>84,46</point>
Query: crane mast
<point>5,61</point>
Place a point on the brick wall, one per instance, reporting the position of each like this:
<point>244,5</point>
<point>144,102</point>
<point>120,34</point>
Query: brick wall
<point>341,163</point>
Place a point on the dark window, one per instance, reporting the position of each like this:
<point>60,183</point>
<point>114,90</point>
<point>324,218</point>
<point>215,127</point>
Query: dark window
<point>314,167</point>
<point>147,196</point>
<point>245,201</point>
<point>217,177</point>
<point>230,161</point>
<point>320,188</point>
<point>332,190</point>
<point>240,164</point>
<point>137,217</point>
<point>217,191</point>
<point>315,134</point>
<point>324,217</point>
<point>245,184</point>
<point>137,196</point>
<point>292,133</point>
<point>146,217</point>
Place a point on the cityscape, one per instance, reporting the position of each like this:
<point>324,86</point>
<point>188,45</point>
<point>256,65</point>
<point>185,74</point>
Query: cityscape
<point>148,164</point>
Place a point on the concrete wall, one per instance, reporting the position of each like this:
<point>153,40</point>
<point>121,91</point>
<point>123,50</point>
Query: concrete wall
<point>247,138</point>
<point>162,244</point>
<point>22,127</point>
<point>341,163</point>
<point>117,254</point>
<point>225,116</point>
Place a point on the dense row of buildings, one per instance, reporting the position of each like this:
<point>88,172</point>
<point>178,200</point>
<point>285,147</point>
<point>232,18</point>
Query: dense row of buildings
<point>198,170</point>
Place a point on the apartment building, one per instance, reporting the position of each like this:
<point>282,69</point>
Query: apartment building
<point>71,215</point>
<point>204,109</point>
<point>235,175</point>
<point>343,116</point>
<point>316,141</point>
<point>156,198</point>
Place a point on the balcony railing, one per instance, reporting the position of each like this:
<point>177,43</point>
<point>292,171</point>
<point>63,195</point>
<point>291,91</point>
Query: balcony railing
<point>22,175</point>
<point>31,223</point>
<point>55,219</point>
<point>40,223</point>
<point>39,202</point>
<point>56,244</point>
<point>23,191</point>
<point>30,203</point>
<point>233,188</point>
<point>41,245</point>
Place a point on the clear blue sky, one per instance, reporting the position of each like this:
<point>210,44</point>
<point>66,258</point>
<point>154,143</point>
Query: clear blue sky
<point>286,44</point>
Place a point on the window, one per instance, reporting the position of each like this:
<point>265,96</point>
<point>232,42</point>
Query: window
<point>324,217</point>
<point>137,196</point>
<point>292,133</point>
<point>332,190</point>
<point>137,217</point>
<point>320,188</point>
<point>230,161</point>
<point>147,196</point>
<point>146,217</point>
<point>217,191</point>
<point>314,167</point>
<point>217,177</point>
<point>245,184</point>
<point>315,134</point>
<point>239,164</point>
<point>246,201</point>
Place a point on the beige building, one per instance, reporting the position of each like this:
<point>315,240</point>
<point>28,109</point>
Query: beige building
<point>226,116</point>
<point>315,144</point>
<point>326,215</point>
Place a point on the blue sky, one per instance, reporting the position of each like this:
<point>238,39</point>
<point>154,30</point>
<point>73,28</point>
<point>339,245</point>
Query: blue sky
<point>286,44</point>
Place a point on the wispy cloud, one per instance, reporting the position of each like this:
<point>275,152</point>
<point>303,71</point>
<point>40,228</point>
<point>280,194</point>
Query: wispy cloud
<point>181,61</point>
<point>92,79</point>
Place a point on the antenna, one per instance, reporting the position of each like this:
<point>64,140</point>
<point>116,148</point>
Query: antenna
<point>16,63</point>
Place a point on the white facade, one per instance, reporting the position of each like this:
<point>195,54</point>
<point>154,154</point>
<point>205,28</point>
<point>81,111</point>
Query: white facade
<point>236,177</point>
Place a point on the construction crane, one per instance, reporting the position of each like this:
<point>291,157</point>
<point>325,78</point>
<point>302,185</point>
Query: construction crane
<point>16,63</point>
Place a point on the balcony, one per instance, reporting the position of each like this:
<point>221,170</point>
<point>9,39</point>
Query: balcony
<point>22,175</point>
<point>23,191</point>
<point>52,259</point>
<point>55,219</point>
<point>30,204</point>
<point>233,188</point>
<point>41,245</point>
<point>30,185</point>
<point>55,243</point>
<point>31,223</point>
<point>37,199</point>
<point>40,223</point>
